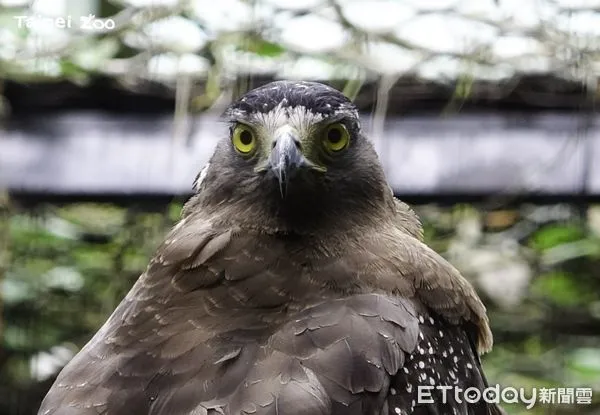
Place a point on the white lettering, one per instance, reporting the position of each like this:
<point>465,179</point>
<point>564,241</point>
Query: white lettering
<point>422,395</point>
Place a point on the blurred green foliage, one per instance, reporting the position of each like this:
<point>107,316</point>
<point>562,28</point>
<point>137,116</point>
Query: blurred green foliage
<point>65,268</point>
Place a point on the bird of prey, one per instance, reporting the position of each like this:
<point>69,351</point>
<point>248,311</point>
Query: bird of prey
<point>294,284</point>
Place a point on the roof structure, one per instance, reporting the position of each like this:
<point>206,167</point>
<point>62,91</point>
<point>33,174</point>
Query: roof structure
<point>466,97</point>
<point>71,146</point>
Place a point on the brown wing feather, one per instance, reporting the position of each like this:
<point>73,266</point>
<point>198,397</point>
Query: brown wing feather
<point>392,260</point>
<point>149,341</point>
<point>332,358</point>
<point>220,312</point>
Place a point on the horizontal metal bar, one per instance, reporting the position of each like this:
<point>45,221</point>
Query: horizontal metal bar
<point>95,153</point>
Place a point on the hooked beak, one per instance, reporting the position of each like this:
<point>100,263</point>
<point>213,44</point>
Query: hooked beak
<point>286,159</point>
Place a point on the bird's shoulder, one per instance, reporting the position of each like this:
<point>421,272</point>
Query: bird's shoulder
<point>164,332</point>
<point>391,259</point>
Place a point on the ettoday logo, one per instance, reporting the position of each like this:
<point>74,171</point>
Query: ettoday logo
<point>508,395</point>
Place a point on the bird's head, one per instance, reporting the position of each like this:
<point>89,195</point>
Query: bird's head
<point>295,153</point>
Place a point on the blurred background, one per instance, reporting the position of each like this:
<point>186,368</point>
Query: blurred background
<point>483,112</point>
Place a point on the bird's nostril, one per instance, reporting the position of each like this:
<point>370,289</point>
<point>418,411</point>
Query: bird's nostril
<point>297,143</point>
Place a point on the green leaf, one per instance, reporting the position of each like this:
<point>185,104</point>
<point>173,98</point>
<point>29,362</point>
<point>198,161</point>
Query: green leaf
<point>70,69</point>
<point>135,262</point>
<point>265,48</point>
<point>94,217</point>
<point>569,251</point>
<point>90,258</point>
<point>174,211</point>
<point>584,364</point>
<point>27,233</point>
<point>96,54</point>
<point>14,291</point>
<point>560,288</point>
<point>554,235</point>
<point>66,278</point>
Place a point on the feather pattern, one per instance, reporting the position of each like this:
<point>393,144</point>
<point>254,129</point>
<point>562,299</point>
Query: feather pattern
<point>183,341</point>
<point>254,305</point>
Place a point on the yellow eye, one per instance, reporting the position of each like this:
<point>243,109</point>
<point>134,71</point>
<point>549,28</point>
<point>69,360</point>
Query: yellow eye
<point>336,137</point>
<point>243,139</point>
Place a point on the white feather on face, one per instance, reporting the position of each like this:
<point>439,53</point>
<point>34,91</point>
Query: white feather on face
<point>200,178</point>
<point>299,118</point>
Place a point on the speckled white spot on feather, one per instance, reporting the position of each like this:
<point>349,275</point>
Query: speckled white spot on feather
<point>469,365</point>
<point>431,320</point>
<point>421,365</point>
<point>392,391</point>
<point>421,320</point>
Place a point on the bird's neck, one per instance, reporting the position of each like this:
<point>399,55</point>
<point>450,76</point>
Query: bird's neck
<point>300,214</point>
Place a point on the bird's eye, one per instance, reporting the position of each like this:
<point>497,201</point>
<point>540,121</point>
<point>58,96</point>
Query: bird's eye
<point>243,139</point>
<point>336,137</point>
